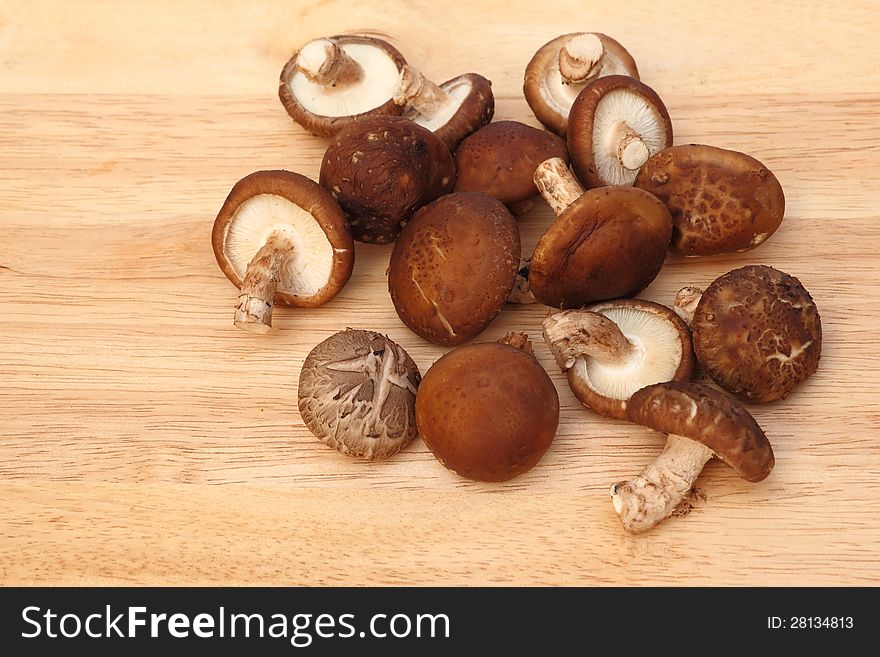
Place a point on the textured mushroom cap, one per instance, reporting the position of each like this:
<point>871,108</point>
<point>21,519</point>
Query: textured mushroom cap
<point>453,267</point>
<point>474,106</point>
<point>487,411</point>
<point>721,201</point>
<point>381,169</point>
<point>609,243</point>
<point>596,113</point>
<point>500,160</point>
<point>549,96</point>
<point>265,201</point>
<point>325,111</point>
<point>707,416</point>
<point>357,394</point>
<point>663,353</point>
<point>757,333</point>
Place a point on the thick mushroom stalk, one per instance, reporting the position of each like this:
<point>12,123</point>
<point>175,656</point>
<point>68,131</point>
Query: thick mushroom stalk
<point>652,496</point>
<point>325,62</point>
<point>628,146</point>
<point>580,59</point>
<point>686,301</point>
<point>557,184</point>
<point>418,92</point>
<point>254,310</point>
<point>573,334</point>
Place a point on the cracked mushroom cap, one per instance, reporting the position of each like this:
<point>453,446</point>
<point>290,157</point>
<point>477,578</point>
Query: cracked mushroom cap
<point>610,243</point>
<point>331,82</point>
<point>488,411</point>
<point>757,333</point>
<point>615,124</point>
<point>708,416</point>
<point>500,160</point>
<point>721,201</point>
<point>610,350</point>
<point>357,394</point>
<point>453,267</point>
<point>583,56</point>
<point>268,202</point>
<point>381,169</point>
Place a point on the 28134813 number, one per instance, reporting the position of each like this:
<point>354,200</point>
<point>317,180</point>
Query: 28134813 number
<point>810,623</point>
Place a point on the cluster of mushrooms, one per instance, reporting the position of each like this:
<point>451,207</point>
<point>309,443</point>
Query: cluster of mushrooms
<point>422,166</point>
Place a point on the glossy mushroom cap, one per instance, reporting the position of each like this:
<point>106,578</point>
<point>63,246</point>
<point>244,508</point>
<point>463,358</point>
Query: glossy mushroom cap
<point>454,266</point>
<point>562,67</point>
<point>357,393</point>
<point>757,333</point>
<point>500,160</point>
<point>615,124</point>
<point>331,82</point>
<point>610,350</point>
<point>707,416</point>
<point>381,169</point>
<point>721,201</point>
<point>488,411</point>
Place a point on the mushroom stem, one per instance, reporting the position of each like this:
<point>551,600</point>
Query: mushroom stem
<point>254,310</point>
<point>650,497</point>
<point>518,341</point>
<point>686,301</point>
<point>325,62</point>
<point>416,91</point>
<point>580,59</point>
<point>573,334</point>
<point>557,184</point>
<point>522,291</point>
<point>629,147</point>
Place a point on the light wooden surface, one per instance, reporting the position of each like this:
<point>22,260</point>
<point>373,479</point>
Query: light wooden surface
<point>144,439</point>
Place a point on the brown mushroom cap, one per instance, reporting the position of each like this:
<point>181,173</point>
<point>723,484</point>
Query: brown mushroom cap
<point>500,160</point>
<point>453,267</point>
<point>325,108</point>
<point>721,201</point>
<point>266,202</point>
<point>638,343</point>
<point>550,95</point>
<point>708,416</point>
<point>757,333</point>
<point>381,169</point>
<point>611,242</point>
<point>487,411</point>
<point>357,394</point>
<point>615,124</point>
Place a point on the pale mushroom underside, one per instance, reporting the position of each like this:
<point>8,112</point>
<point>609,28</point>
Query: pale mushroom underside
<point>458,91</point>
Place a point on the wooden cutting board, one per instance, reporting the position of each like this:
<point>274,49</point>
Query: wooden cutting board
<point>145,440</point>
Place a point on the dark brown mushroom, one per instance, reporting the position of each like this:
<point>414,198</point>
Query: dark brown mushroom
<point>488,411</point>
<point>381,169</point>
<point>331,82</point>
<point>283,240</point>
<point>605,243</point>
<point>616,123</point>
<point>702,423</point>
<point>454,266</point>
<point>562,67</point>
<point>500,160</point>
<point>357,394</point>
<point>721,201</point>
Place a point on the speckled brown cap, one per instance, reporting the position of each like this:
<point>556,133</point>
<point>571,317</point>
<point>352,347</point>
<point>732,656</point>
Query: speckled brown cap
<point>708,416</point>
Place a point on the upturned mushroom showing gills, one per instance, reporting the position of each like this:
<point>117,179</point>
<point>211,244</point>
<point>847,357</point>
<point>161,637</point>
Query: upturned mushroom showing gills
<point>283,240</point>
<point>357,394</point>
<point>721,201</point>
<point>454,266</point>
<point>616,123</point>
<point>702,423</point>
<point>500,160</point>
<point>756,332</point>
<point>562,67</point>
<point>331,82</point>
<point>488,411</point>
<point>612,349</point>
<point>451,110</point>
<point>381,169</point>
<point>605,243</point>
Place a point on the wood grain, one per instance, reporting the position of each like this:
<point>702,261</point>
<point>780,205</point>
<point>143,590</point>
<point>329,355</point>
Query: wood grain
<point>145,440</point>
